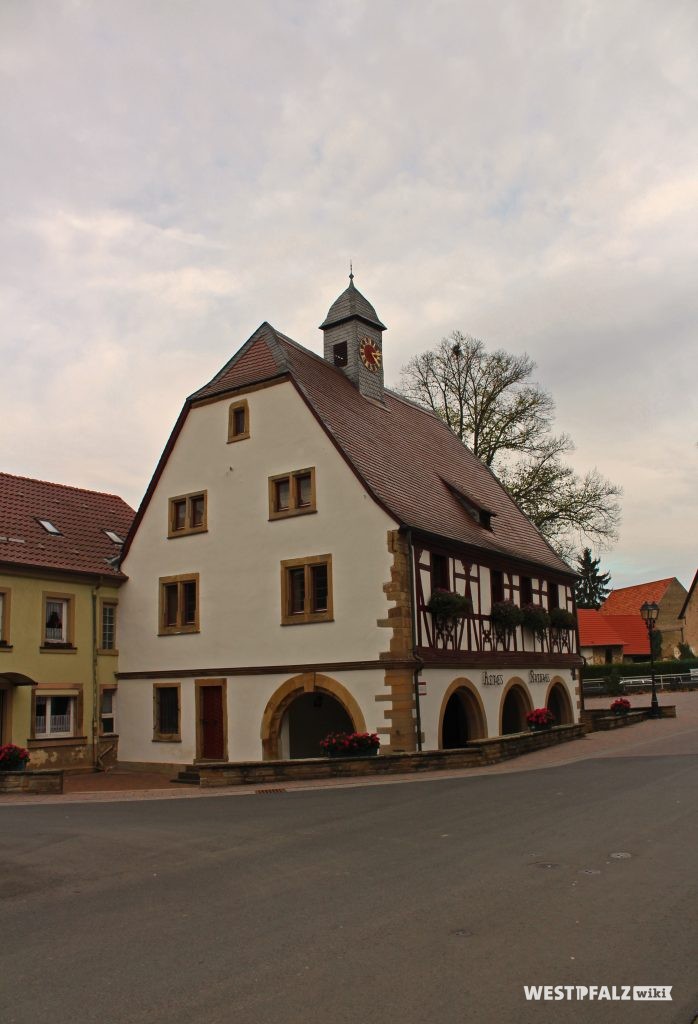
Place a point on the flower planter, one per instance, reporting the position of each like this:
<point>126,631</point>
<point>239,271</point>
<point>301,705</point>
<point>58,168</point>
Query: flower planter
<point>371,752</point>
<point>540,728</point>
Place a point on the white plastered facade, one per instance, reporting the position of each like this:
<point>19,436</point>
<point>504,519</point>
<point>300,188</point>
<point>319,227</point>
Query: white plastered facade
<point>238,560</point>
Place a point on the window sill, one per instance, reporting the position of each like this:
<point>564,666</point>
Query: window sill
<point>4,646</point>
<point>306,620</point>
<point>291,513</point>
<point>167,739</point>
<point>179,632</point>
<point>57,649</point>
<point>173,534</point>
<point>56,741</point>
<point>107,653</point>
<point>238,437</point>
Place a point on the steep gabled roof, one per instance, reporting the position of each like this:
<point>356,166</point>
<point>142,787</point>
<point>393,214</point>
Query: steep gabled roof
<point>408,459</point>
<point>81,518</point>
<point>598,630</point>
<point>689,595</point>
<point>629,600</point>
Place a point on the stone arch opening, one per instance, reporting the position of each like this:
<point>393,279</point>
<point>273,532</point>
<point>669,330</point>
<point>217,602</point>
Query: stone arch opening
<point>301,713</point>
<point>558,701</point>
<point>462,716</point>
<point>515,705</point>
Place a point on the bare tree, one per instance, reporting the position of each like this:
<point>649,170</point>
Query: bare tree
<point>489,400</point>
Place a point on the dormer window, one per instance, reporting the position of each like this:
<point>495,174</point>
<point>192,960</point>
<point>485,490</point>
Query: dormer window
<point>49,527</point>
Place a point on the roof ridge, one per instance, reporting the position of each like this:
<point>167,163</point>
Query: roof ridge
<point>67,487</point>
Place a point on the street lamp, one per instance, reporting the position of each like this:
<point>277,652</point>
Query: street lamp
<point>649,613</point>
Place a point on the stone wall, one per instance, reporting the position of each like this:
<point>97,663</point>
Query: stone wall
<point>31,782</point>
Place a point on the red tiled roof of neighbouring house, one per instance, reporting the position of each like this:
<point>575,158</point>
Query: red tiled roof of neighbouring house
<point>596,630</point>
<point>633,631</point>
<point>626,631</point>
<point>629,600</point>
<point>407,457</point>
<point>81,518</point>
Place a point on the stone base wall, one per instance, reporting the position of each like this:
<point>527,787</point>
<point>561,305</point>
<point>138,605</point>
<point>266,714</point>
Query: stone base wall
<point>601,719</point>
<point>476,754</point>
<point>31,782</point>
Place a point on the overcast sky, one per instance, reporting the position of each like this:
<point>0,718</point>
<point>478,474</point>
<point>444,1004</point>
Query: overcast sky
<point>174,173</point>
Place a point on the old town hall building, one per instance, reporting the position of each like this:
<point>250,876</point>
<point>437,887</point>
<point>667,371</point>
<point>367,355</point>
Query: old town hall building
<point>286,565</point>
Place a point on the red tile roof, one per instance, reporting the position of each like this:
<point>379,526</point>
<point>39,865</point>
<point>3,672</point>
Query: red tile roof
<point>598,630</point>
<point>81,516</point>
<point>629,600</point>
<point>405,455</point>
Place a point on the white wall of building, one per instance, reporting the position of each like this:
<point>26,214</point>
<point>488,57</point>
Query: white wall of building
<point>439,680</point>
<point>239,558</point>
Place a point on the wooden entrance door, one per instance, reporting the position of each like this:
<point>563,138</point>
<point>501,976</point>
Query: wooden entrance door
<point>211,723</point>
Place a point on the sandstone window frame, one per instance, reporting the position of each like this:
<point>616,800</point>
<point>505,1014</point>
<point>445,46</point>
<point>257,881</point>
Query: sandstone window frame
<point>105,627</point>
<point>238,421</point>
<point>109,711</point>
<point>5,609</point>
<point>180,624</point>
<point>160,735</point>
<point>310,564</point>
<point>67,621</point>
<point>295,506</point>
<point>187,504</point>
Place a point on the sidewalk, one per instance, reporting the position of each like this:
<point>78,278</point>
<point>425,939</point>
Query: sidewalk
<point>668,736</point>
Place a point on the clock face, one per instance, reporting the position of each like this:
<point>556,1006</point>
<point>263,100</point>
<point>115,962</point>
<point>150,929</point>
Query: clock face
<point>370,354</point>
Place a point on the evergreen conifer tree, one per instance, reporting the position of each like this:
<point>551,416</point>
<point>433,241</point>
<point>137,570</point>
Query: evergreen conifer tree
<point>592,587</point>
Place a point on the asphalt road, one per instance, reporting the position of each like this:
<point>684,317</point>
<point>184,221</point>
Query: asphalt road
<point>427,901</point>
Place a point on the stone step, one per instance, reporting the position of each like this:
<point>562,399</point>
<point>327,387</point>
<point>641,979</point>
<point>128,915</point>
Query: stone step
<point>189,777</point>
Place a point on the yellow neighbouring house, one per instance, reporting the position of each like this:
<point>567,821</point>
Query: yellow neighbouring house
<point>59,593</point>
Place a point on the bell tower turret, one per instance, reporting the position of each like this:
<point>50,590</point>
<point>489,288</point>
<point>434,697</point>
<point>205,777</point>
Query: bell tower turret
<point>354,341</point>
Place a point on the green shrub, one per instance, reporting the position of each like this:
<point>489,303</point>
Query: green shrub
<point>642,668</point>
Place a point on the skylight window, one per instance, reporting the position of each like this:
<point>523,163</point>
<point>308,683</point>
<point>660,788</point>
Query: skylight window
<point>49,527</point>
<point>114,537</point>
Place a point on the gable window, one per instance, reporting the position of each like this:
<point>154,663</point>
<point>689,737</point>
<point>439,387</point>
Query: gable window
<point>292,494</point>
<point>306,590</point>
<point>107,711</point>
<point>188,513</point>
<point>440,576</point>
<point>54,715</point>
<point>4,618</point>
<point>107,627</point>
<point>179,604</point>
<point>166,712</point>
<point>57,619</point>
<point>238,421</point>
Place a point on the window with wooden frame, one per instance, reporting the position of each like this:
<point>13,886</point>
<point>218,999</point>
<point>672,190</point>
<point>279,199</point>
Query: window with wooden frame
<point>306,590</point>
<point>5,595</point>
<point>292,494</point>
<point>440,573</point>
<point>107,711</point>
<point>107,627</point>
<point>166,713</point>
<point>55,715</point>
<point>496,585</point>
<point>526,585</point>
<point>188,513</point>
<point>553,596</point>
<point>58,621</point>
<point>179,604</point>
<point>238,421</point>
